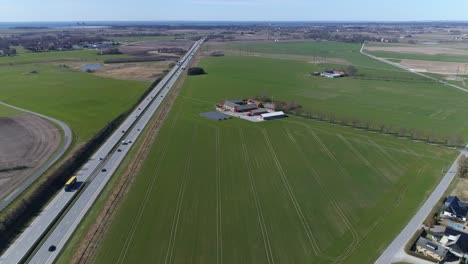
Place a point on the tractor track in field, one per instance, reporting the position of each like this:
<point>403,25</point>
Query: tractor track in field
<point>142,207</point>
<point>180,201</point>
<point>292,196</point>
<point>219,216</point>
<point>335,204</point>
<point>362,158</point>
<point>261,219</point>
<point>398,166</point>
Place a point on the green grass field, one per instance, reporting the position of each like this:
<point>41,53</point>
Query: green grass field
<point>84,101</point>
<point>58,57</point>
<point>153,38</point>
<point>7,111</point>
<point>285,191</point>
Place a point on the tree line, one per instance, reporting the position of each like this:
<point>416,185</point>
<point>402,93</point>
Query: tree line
<point>428,136</point>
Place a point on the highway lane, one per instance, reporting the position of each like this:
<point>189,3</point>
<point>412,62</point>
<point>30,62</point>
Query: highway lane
<point>68,224</point>
<point>66,142</point>
<point>36,230</point>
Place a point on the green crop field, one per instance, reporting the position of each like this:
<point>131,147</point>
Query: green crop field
<point>84,101</point>
<point>394,98</point>
<point>380,94</point>
<point>348,51</point>
<point>284,191</point>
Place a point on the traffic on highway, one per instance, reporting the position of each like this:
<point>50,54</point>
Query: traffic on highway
<point>91,180</point>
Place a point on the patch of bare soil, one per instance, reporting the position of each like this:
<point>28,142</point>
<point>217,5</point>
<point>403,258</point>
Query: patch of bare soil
<point>436,66</point>
<point>146,47</point>
<point>420,49</point>
<point>135,71</point>
<point>26,141</point>
<point>461,189</point>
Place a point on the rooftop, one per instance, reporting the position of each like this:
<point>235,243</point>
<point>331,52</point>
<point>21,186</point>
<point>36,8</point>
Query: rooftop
<point>432,246</point>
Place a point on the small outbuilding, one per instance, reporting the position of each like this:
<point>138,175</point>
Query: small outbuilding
<point>273,115</point>
<point>258,112</point>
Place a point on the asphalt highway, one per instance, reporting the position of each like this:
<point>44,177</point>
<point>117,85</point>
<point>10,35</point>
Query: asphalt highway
<point>93,178</point>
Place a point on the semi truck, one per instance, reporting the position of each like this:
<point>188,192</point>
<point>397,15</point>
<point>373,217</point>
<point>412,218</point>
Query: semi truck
<point>69,185</point>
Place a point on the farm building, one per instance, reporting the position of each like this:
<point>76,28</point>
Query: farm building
<point>237,105</point>
<point>333,74</point>
<point>245,108</point>
<point>270,106</point>
<point>258,112</point>
<point>273,115</point>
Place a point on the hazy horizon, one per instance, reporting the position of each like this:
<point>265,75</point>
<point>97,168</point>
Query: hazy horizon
<point>233,10</point>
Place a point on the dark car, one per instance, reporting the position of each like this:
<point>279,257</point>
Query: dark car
<point>104,170</point>
<point>52,248</point>
<point>119,150</point>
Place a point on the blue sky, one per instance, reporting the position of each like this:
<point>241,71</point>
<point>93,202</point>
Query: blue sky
<point>238,10</point>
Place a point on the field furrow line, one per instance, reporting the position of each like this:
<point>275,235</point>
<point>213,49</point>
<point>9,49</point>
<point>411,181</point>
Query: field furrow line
<point>291,195</point>
<point>330,198</point>
<point>399,167</point>
<point>137,218</point>
<point>362,158</point>
<point>180,200</point>
<point>219,233</point>
<point>261,219</point>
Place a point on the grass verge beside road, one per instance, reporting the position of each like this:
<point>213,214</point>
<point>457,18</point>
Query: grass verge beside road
<point>84,101</point>
<point>6,111</point>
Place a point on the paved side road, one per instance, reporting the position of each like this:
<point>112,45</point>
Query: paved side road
<point>411,70</point>
<point>395,251</point>
<point>67,139</point>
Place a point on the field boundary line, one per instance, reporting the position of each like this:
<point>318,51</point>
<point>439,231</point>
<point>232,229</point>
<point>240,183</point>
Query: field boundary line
<point>410,70</point>
<point>362,158</point>
<point>326,150</point>
<point>145,200</point>
<point>335,204</point>
<point>291,195</point>
<point>219,233</point>
<point>180,200</point>
<point>387,155</point>
<point>261,219</point>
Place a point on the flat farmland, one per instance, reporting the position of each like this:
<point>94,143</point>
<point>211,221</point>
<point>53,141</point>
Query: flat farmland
<point>84,101</point>
<point>393,98</point>
<point>285,191</point>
